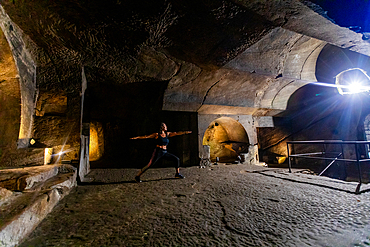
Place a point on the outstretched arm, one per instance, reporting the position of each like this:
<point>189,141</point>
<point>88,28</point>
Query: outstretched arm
<point>154,135</point>
<point>178,133</point>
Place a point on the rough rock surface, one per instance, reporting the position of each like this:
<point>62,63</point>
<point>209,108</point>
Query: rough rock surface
<point>225,205</point>
<point>21,212</point>
<point>142,57</point>
<point>4,195</point>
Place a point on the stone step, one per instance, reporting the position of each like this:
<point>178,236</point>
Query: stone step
<point>24,178</point>
<point>22,211</point>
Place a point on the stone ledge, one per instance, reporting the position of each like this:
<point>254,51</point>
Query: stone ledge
<point>25,178</point>
<point>21,212</point>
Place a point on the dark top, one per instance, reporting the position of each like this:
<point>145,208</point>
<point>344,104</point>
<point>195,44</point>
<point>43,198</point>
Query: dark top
<point>162,141</point>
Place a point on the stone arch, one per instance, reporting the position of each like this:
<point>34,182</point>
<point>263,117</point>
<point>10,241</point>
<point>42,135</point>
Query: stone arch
<point>227,138</point>
<point>299,68</point>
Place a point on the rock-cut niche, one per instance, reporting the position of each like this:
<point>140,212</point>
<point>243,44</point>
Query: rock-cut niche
<point>227,138</point>
<point>96,145</point>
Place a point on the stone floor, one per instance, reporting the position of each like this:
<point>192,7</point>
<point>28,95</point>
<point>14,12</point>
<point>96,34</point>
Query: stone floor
<point>224,205</point>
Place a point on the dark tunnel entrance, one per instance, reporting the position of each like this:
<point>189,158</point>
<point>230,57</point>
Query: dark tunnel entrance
<point>118,112</point>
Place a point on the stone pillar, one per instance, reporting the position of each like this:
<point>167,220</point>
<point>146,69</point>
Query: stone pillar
<point>84,166</point>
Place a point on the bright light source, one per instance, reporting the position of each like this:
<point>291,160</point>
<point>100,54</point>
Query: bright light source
<point>355,87</point>
<point>32,141</point>
<point>352,81</point>
<point>60,153</point>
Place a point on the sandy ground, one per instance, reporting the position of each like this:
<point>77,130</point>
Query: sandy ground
<point>224,205</point>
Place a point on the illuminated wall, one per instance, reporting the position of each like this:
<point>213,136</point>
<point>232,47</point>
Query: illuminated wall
<point>10,105</point>
<point>96,146</point>
<point>26,68</point>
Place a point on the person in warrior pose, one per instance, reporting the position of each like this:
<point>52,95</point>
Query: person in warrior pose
<point>160,150</point>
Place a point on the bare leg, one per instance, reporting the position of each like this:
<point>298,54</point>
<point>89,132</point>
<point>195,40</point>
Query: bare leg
<point>144,168</point>
<point>148,165</point>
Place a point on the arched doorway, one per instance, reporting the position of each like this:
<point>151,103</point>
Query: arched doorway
<point>227,138</point>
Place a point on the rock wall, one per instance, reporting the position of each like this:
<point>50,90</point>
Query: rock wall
<point>15,80</point>
<point>281,52</point>
<point>19,45</point>
<point>10,105</point>
<point>51,118</point>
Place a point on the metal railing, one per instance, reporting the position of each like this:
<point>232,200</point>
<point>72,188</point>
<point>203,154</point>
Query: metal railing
<point>338,156</point>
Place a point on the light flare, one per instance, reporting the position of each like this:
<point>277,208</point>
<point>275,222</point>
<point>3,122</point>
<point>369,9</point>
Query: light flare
<point>352,81</point>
